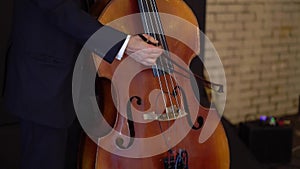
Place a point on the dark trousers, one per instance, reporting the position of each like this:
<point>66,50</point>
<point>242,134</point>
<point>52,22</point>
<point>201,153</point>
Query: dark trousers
<point>45,147</point>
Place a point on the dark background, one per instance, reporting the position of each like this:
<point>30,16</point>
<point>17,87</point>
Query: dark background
<point>5,27</point>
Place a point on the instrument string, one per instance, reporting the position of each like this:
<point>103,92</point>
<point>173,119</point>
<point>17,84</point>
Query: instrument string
<point>144,6</point>
<point>207,83</point>
<point>165,63</point>
<point>155,68</point>
<point>155,26</point>
<point>159,35</point>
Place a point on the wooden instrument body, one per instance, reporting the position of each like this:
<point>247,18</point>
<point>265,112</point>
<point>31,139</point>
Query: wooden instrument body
<point>128,79</point>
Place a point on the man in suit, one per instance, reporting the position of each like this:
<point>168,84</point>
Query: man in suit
<point>46,38</point>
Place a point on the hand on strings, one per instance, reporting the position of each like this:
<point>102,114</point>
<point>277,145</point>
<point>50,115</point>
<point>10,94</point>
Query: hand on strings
<point>143,52</point>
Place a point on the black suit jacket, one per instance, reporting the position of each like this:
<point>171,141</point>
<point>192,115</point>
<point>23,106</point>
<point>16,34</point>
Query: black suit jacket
<point>46,38</point>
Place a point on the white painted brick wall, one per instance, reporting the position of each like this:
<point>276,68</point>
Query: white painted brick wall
<point>258,42</point>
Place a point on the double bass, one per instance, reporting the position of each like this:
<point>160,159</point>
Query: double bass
<point>157,121</point>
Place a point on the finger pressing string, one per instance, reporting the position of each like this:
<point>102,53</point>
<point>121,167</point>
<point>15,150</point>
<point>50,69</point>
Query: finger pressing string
<point>147,40</point>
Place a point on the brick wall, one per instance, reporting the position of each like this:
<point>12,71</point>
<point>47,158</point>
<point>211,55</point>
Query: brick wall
<point>258,42</point>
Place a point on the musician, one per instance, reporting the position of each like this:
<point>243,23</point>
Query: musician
<point>46,38</point>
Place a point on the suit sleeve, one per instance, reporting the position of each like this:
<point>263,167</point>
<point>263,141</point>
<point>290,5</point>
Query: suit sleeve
<point>69,18</point>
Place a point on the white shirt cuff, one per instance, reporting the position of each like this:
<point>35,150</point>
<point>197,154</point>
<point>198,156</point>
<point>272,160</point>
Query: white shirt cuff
<point>122,50</point>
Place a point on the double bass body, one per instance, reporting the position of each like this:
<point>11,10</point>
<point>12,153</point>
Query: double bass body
<point>157,121</point>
